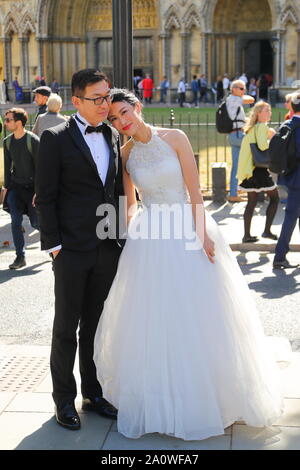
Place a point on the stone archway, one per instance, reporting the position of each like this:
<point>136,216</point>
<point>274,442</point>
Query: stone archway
<point>242,37</point>
<point>78,33</point>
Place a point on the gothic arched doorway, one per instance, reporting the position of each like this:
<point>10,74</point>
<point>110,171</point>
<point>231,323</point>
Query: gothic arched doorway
<point>242,37</point>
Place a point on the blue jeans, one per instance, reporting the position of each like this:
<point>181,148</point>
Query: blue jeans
<point>292,214</point>
<point>235,140</point>
<point>16,221</point>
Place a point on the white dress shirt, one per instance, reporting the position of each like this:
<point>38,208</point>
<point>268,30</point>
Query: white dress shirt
<point>99,150</point>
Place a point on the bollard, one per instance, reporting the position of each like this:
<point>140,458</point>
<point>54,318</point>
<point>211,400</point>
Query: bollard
<point>172,117</point>
<point>219,181</point>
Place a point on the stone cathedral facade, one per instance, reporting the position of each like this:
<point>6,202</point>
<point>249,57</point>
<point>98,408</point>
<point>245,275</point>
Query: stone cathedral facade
<point>178,38</point>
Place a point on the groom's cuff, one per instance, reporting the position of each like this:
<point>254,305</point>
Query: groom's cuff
<point>58,247</point>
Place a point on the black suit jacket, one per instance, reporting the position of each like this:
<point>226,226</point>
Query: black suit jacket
<point>69,189</point>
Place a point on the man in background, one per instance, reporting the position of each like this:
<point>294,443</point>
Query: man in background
<point>20,155</point>
<point>42,94</point>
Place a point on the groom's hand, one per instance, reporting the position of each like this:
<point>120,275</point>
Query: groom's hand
<point>55,253</point>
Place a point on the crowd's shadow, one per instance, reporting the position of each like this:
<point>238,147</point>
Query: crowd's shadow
<point>279,284</point>
<point>282,284</point>
<point>251,267</point>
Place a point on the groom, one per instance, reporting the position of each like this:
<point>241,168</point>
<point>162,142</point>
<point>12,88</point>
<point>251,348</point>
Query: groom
<point>78,169</point>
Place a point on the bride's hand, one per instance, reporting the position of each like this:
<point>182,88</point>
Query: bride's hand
<point>209,248</point>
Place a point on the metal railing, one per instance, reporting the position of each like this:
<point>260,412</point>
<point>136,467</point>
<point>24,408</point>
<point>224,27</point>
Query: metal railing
<point>208,145</point>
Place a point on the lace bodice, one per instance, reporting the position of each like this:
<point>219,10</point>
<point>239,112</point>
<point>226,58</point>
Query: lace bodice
<point>156,172</point>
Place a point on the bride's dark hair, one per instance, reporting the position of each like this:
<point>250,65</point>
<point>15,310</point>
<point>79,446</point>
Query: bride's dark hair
<point>122,94</point>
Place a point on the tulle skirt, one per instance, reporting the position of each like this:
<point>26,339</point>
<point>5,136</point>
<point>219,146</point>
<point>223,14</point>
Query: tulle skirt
<point>180,348</point>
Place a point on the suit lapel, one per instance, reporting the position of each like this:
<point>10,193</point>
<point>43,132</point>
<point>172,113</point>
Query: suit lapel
<point>81,144</point>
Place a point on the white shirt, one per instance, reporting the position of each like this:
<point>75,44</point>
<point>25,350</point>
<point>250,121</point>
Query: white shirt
<point>99,150</point>
<point>244,79</point>
<point>226,83</point>
<point>98,147</point>
<point>181,87</point>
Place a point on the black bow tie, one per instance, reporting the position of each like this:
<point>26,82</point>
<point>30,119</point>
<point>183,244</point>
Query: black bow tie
<point>91,129</point>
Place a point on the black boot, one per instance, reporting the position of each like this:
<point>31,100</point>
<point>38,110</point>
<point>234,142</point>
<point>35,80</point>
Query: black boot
<point>18,263</point>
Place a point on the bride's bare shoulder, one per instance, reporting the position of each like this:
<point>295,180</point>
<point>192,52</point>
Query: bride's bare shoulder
<point>169,132</point>
<point>171,136</point>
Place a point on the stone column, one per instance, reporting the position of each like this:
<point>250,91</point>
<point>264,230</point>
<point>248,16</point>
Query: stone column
<point>165,37</point>
<point>24,59</point>
<point>185,54</point>
<point>7,59</point>
<point>277,50</point>
<point>281,58</point>
<point>298,54</point>
<point>209,56</point>
<point>205,56</point>
<point>41,56</point>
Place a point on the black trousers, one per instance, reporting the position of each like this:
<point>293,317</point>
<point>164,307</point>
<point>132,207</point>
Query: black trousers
<point>82,283</point>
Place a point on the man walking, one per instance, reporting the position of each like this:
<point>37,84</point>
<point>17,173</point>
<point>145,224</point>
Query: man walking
<point>195,90</point>
<point>181,92</point>
<point>234,104</point>
<point>164,87</point>
<point>20,157</point>
<point>292,181</point>
<point>79,169</point>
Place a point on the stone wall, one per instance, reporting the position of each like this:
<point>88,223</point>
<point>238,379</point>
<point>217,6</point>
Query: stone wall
<point>171,37</point>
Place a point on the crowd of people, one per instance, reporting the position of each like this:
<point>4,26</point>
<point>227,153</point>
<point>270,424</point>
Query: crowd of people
<point>144,86</point>
<point>19,94</point>
<point>146,306</point>
<point>247,175</point>
<point>200,89</point>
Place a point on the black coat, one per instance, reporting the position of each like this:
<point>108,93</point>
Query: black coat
<point>69,189</point>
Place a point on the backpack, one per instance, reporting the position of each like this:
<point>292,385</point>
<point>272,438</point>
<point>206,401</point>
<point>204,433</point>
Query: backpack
<point>282,149</point>
<point>8,139</point>
<point>223,122</point>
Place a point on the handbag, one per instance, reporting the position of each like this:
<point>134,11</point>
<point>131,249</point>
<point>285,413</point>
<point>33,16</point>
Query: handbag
<point>261,158</point>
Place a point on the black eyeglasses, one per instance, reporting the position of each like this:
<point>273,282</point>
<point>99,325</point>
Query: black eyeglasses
<point>242,89</point>
<point>8,119</point>
<point>97,101</point>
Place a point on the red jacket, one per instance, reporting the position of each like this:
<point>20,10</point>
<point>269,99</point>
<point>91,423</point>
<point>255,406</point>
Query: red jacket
<point>148,85</point>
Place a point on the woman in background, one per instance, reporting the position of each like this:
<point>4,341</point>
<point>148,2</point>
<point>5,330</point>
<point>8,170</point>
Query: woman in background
<point>255,180</point>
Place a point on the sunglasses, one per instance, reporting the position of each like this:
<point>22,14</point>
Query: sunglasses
<point>8,119</point>
<point>242,89</point>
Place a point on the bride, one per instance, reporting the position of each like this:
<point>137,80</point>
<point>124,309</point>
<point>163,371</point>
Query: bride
<point>179,348</point>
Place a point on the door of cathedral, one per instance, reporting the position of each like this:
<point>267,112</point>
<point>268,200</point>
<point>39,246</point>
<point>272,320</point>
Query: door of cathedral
<point>258,57</point>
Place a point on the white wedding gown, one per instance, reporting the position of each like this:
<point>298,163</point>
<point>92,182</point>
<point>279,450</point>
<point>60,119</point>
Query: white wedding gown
<point>179,348</point>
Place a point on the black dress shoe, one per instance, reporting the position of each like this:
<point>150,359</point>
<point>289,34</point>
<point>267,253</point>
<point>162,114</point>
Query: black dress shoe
<point>67,416</point>
<point>100,406</point>
<point>284,265</point>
